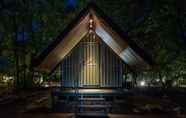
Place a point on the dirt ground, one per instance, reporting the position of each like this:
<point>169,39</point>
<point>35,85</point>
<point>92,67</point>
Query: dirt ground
<point>16,109</point>
<point>71,115</point>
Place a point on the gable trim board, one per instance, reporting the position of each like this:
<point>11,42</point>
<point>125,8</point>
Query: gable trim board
<point>109,32</point>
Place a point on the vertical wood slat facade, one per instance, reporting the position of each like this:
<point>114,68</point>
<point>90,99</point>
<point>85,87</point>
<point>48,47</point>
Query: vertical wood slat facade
<point>92,64</point>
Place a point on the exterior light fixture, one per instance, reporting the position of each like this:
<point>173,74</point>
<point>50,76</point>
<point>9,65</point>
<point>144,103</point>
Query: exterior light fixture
<point>157,80</point>
<point>142,83</point>
<point>91,20</point>
<point>7,78</point>
<point>91,24</point>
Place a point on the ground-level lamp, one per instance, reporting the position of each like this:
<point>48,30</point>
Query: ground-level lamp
<point>142,83</point>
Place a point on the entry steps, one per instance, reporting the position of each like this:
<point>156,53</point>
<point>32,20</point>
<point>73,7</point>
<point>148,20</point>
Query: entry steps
<point>92,99</point>
<point>92,107</point>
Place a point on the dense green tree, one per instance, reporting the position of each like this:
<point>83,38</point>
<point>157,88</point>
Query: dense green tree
<point>152,24</point>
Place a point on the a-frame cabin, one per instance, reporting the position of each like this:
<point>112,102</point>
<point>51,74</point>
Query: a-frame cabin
<point>92,52</point>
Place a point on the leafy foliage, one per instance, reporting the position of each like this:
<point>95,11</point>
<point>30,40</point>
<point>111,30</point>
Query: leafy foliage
<point>152,24</point>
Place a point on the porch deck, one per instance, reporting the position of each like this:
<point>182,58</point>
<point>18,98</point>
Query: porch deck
<point>86,100</point>
<point>90,92</point>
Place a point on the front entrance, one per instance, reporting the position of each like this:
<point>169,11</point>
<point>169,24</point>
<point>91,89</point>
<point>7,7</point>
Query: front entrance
<point>89,62</point>
<point>92,64</point>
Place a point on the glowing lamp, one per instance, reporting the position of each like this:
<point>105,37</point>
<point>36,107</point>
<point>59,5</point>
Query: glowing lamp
<point>142,83</point>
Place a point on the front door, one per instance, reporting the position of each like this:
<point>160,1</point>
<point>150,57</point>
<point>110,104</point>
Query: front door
<point>89,62</point>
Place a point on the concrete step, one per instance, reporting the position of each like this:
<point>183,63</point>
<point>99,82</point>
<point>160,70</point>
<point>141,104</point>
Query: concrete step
<point>92,106</point>
<point>91,99</point>
<point>91,115</point>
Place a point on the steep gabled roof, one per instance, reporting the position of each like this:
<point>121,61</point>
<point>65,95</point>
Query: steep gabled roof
<point>109,32</point>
